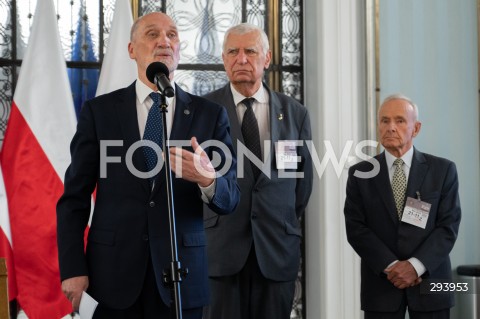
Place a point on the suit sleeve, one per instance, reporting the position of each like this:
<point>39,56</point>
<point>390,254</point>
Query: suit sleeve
<point>373,251</point>
<point>73,208</point>
<point>304,185</point>
<point>436,248</point>
<point>227,192</point>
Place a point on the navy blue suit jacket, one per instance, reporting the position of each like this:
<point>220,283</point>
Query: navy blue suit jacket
<point>130,222</point>
<point>379,238</point>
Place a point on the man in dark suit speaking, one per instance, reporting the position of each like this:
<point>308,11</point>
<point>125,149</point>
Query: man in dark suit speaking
<point>402,220</point>
<point>128,241</point>
<point>254,254</point>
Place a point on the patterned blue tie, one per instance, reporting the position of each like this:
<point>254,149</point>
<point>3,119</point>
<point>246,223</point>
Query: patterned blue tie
<point>154,133</point>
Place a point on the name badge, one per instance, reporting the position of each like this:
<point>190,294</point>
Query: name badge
<point>416,212</point>
<point>286,155</point>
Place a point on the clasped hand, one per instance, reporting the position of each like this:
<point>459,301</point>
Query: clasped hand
<point>403,275</point>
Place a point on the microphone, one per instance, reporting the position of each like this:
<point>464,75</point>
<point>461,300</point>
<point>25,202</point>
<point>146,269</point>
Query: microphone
<point>157,73</point>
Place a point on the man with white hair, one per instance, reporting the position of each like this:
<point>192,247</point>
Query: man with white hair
<point>254,256</point>
<point>403,222</point>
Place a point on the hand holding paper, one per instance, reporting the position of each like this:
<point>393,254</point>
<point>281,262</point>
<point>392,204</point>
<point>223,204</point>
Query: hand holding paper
<point>87,306</point>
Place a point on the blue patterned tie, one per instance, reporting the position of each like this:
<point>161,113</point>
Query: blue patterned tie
<point>154,133</point>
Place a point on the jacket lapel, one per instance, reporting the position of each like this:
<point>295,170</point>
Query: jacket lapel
<point>184,114</point>
<point>384,188</point>
<point>276,125</point>
<point>418,170</point>
<point>236,129</point>
<point>126,110</point>
<point>181,124</point>
<point>276,113</point>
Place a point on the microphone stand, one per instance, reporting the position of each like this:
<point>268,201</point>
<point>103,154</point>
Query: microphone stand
<point>172,276</point>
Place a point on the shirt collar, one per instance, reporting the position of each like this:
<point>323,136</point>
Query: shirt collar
<point>260,95</point>
<point>407,158</point>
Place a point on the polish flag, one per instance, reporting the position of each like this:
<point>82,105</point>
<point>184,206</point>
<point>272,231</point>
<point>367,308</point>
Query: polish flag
<point>118,70</point>
<point>34,159</point>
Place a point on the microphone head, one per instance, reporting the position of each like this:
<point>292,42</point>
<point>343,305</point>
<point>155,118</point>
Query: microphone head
<point>155,68</point>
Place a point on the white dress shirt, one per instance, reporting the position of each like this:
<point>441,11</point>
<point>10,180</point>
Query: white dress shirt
<point>144,103</point>
<point>407,164</point>
<point>260,108</point>
<point>407,160</point>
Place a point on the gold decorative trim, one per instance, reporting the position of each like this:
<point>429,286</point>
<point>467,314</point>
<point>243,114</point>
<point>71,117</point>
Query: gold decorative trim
<point>135,6</point>
<point>274,75</point>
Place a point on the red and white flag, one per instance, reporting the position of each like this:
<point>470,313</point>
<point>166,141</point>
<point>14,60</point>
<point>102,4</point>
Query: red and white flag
<point>34,159</point>
<point>118,70</point>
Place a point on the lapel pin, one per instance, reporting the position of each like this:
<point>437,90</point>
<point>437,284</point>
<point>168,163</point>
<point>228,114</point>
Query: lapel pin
<point>280,117</point>
<point>186,112</point>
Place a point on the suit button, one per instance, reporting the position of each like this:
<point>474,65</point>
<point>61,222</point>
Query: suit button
<point>145,237</point>
<point>254,216</point>
<point>152,204</point>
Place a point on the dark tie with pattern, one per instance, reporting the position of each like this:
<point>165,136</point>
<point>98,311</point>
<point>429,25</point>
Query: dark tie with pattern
<point>399,186</point>
<point>154,133</point>
<point>251,134</point>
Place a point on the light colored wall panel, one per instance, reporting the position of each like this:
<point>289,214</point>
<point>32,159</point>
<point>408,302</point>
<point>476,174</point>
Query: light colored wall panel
<point>428,51</point>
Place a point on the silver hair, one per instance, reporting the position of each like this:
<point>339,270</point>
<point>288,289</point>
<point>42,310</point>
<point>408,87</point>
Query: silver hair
<point>245,27</point>
<point>399,96</point>
<point>134,28</point>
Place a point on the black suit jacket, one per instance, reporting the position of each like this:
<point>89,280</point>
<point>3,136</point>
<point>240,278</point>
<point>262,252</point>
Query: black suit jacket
<point>379,238</point>
<point>269,209</point>
<point>130,222</point>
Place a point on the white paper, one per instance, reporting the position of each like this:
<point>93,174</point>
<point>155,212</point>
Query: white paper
<point>416,212</point>
<point>286,155</point>
<point>87,306</point>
